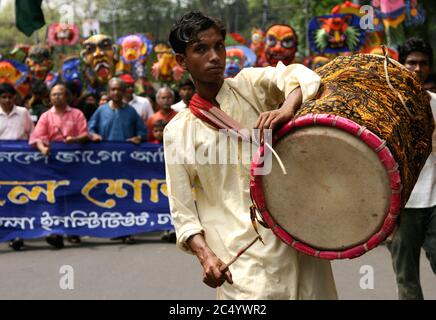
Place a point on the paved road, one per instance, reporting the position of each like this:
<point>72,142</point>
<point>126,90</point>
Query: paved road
<point>152,269</point>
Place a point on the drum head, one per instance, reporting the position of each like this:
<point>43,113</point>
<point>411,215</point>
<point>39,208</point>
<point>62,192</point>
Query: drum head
<point>336,194</point>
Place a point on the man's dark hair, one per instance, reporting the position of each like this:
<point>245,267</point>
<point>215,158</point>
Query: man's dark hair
<point>39,87</point>
<point>187,28</point>
<point>73,88</point>
<point>415,45</point>
<point>7,88</point>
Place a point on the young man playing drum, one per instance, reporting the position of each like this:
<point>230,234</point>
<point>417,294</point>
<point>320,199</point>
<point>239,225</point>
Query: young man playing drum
<point>417,223</point>
<point>215,223</point>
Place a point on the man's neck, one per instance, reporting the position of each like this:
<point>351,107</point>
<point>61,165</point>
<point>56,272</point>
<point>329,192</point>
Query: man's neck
<point>208,91</point>
<point>116,104</point>
<point>61,109</point>
<point>166,111</point>
<point>7,110</point>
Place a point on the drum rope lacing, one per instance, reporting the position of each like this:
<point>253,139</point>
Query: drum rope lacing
<point>388,80</point>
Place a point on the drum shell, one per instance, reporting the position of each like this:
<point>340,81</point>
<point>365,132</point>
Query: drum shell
<point>355,89</point>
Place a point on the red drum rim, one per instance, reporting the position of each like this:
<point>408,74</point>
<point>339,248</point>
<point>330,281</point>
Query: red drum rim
<point>372,141</point>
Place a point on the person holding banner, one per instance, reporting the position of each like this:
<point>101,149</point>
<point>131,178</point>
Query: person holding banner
<point>117,121</point>
<point>214,222</point>
<point>15,124</point>
<point>61,123</point>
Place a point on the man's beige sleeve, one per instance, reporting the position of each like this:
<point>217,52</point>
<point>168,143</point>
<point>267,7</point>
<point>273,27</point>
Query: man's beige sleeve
<point>269,87</point>
<point>182,203</point>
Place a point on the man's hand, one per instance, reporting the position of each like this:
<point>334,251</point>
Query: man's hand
<point>80,139</point>
<point>96,137</point>
<point>45,150</point>
<point>272,119</point>
<point>69,140</point>
<point>135,140</point>
<point>214,274</point>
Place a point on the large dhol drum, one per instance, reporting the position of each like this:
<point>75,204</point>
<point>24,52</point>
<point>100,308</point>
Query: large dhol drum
<point>353,156</point>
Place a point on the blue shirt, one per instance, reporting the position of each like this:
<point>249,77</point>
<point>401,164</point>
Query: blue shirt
<point>117,124</point>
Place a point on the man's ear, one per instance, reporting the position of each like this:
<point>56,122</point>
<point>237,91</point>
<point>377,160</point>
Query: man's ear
<point>180,58</point>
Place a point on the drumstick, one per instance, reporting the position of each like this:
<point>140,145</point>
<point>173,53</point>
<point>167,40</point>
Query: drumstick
<point>240,252</point>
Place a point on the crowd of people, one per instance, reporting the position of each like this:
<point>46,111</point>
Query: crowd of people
<point>117,115</point>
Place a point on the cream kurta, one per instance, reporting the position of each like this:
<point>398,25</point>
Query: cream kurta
<point>221,209</point>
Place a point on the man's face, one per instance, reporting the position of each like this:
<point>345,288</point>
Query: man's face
<point>7,100</point>
<point>419,63</point>
<point>206,59</point>
<point>91,101</point>
<point>186,93</point>
<point>58,96</point>
<point>129,92</point>
<point>165,100</point>
<point>116,92</point>
<point>104,99</point>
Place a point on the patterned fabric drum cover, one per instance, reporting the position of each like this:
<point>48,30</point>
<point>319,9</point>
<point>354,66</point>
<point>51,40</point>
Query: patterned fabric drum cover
<point>353,156</point>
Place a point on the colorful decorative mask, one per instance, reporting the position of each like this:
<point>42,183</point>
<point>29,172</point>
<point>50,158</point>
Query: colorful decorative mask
<point>39,61</point>
<point>238,57</point>
<point>336,33</point>
<point>60,34</point>
<point>100,59</point>
<point>71,71</point>
<point>234,62</point>
<point>374,36</point>
<point>347,7</point>
<point>134,48</point>
<point>281,44</point>
<point>166,68</point>
<point>15,73</point>
<point>258,46</point>
<point>395,12</point>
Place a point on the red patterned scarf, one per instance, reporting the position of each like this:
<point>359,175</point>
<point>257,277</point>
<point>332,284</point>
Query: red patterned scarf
<point>214,116</point>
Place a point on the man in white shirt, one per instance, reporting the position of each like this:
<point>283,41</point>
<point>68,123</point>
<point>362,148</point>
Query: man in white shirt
<point>15,124</point>
<point>141,105</point>
<point>186,91</point>
<point>214,221</point>
<point>417,224</point>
